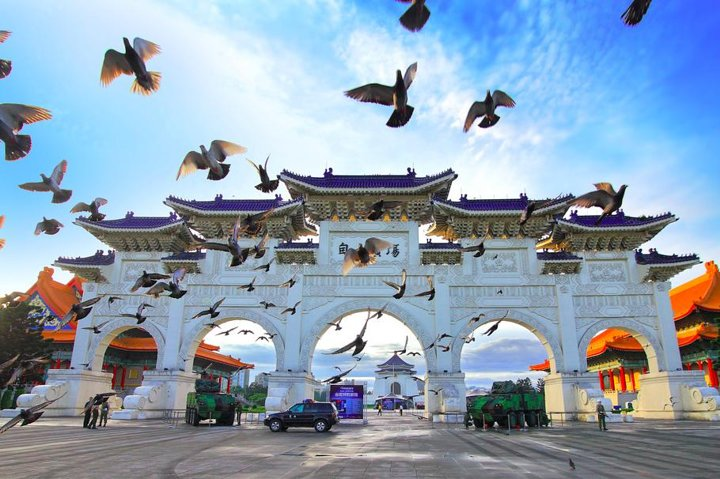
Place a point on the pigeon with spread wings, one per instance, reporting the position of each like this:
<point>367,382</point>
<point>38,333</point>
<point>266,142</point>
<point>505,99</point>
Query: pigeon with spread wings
<point>395,96</point>
<point>98,328</point>
<point>486,109</point>
<point>358,343</point>
<point>379,208</point>
<point>93,208</point>
<point>266,185</point>
<point>635,12</point>
<point>139,314</point>
<point>51,183</point>
<point>28,416</point>
<point>604,197</point>
<point>173,286</point>
<point>132,62</point>
<point>400,288</point>
<point>430,293</point>
<point>402,351</point>
<point>78,311</point>
<point>212,159</point>
<point>5,65</point>
<point>12,118</point>
<point>48,226</point>
<point>147,280</point>
<point>291,310</point>
<point>338,377</point>
<point>415,16</point>
<point>494,327</point>
<point>212,311</point>
<point>364,254</point>
<point>237,253</point>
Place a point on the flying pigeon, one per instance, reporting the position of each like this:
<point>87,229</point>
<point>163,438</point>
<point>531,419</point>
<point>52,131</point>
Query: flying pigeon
<point>635,12</point>
<point>252,225</point>
<point>48,226</point>
<point>479,249</point>
<point>265,267</point>
<point>429,293</point>
<point>93,208</point>
<point>96,329</point>
<point>249,287</point>
<point>28,416</point>
<point>435,391</point>
<point>173,286</point>
<point>414,353</point>
<point>5,65</point>
<point>237,253</point>
<point>395,96</point>
<point>291,310</point>
<point>289,283</point>
<point>336,324</point>
<point>212,311</point>
<point>415,17</point>
<point>400,288</point>
<point>265,185</point>
<point>78,311</point>
<point>358,343</point>
<point>603,197</point>
<point>12,118</point>
<point>132,62</point>
<point>338,377</point>
<point>486,109</point>
<point>112,299</point>
<point>227,333</point>
<point>268,304</point>
<point>402,351</point>
<point>379,313</point>
<point>212,159</point>
<point>363,255</point>
<point>139,314</point>
<point>245,332</point>
<point>52,183</point>
<point>494,327</point>
<point>528,211</point>
<point>379,208</point>
<point>147,280</point>
<point>475,319</point>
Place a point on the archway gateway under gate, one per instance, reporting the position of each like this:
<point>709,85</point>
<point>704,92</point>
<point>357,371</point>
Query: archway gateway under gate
<point>562,277</point>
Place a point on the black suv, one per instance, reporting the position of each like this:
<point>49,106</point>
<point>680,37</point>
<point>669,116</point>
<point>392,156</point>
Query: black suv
<point>320,415</point>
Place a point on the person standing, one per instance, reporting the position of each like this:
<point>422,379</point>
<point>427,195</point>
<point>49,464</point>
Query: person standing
<point>379,409</point>
<point>88,411</point>
<point>95,413</point>
<point>601,415</point>
<point>104,410</point>
<point>401,409</point>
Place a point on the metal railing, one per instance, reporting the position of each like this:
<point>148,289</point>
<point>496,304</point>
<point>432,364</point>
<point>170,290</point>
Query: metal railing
<point>172,417</point>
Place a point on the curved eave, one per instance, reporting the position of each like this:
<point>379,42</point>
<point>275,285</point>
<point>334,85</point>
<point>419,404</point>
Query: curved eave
<point>189,210</point>
<point>172,237</point>
<point>665,271</point>
<point>90,272</point>
<point>440,185</point>
<point>652,226</point>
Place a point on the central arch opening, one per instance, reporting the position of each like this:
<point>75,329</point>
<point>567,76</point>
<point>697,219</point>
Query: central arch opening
<point>392,363</point>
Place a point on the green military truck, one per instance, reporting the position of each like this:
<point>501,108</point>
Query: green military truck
<point>207,402</point>
<point>508,402</point>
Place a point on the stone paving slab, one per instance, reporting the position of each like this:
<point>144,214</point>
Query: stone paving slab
<point>389,446</point>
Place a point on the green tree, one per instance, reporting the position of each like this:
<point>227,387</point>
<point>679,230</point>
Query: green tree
<point>22,335</point>
<point>540,385</point>
<point>525,384</point>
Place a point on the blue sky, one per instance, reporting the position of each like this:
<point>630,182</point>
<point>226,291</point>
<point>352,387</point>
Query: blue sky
<point>596,101</point>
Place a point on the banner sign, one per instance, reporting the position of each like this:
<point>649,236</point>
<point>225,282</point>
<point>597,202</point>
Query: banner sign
<point>348,400</point>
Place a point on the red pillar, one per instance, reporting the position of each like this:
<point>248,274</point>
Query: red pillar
<point>601,380</point>
<point>211,376</point>
<point>229,383</point>
<point>712,373</point>
<point>122,378</point>
<point>612,380</point>
<point>623,383</point>
<point>632,379</point>
<point>114,378</point>
<point>58,363</point>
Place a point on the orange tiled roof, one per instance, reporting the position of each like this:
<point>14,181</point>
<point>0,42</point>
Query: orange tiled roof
<point>543,366</point>
<point>58,297</point>
<point>702,292</point>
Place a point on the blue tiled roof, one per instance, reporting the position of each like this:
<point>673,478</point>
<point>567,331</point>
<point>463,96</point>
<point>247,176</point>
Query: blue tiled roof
<point>185,256</point>
<point>396,361</point>
<point>618,219</point>
<point>134,222</point>
<point>653,257</point>
<point>221,204</point>
<point>298,245</point>
<point>501,204</point>
<point>332,181</point>
<point>557,256</point>
<point>440,245</point>
<point>98,259</point>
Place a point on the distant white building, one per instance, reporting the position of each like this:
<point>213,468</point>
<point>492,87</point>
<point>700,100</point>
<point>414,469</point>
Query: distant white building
<point>395,377</point>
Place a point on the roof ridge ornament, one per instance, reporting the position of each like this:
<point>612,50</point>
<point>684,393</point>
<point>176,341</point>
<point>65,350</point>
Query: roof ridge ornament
<point>130,214</point>
<point>328,172</point>
<point>218,198</point>
<point>411,172</point>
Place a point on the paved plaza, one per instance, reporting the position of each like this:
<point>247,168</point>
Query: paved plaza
<point>389,446</point>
